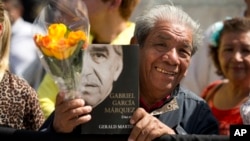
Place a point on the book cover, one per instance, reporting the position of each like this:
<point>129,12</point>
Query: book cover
<point>112,115</point>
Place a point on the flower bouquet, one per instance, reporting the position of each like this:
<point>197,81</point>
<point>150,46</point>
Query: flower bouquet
<point>61,37</point>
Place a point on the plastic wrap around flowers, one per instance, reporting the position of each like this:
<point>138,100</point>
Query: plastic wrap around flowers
<point>62,36</point>
<point>245,111</point>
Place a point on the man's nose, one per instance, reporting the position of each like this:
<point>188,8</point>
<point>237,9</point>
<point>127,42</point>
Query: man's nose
<point>87,67</point>
<point>171,56</point>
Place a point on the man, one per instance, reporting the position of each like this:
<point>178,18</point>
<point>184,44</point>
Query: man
<point>102,65</point>
<point>109,20</point>
<point>168,38</point>
<point>24,60</point>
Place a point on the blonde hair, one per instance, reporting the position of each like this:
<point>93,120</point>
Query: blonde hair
<point>4,39</point>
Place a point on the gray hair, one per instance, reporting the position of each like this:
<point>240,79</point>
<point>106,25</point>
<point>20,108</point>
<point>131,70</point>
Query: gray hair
<point>169,13</point>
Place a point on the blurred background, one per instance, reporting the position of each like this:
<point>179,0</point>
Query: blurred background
<point>205,12</point>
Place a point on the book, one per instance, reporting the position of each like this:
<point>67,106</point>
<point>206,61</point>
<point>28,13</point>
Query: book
<point>112,115</point>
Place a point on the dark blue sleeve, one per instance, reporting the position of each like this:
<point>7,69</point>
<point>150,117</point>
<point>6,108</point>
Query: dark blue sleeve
<point>48,124</point>
<point>206,123</point>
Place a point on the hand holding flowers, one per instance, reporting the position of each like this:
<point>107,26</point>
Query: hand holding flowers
<point>62,46</point>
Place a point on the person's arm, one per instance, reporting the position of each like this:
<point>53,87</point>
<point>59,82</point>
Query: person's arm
<point>47,92</point>
<point>35,116</point>
<point>48,124</point>
<point>67,115</point>
<point>205,123</point>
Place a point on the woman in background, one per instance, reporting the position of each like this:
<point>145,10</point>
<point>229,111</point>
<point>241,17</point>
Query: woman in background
<point>231,56</point>
<point>19,105</point>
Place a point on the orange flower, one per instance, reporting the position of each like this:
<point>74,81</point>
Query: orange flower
<point>60,41</point>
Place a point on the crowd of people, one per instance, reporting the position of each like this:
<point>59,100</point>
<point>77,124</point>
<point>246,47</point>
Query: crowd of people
<point>168,39</point>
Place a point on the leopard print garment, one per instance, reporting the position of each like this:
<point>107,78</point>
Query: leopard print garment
<point>19,105</point>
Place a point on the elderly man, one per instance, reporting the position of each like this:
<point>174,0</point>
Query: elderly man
<point>168,38</point>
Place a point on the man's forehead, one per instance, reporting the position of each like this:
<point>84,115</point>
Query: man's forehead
<point>165,30</point>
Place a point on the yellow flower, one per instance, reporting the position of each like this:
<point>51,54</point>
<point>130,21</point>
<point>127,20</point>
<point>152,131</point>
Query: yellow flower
<point>60,41</point>
<point>57,31</point>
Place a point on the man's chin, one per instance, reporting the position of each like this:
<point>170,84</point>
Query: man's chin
<point>90,102</point>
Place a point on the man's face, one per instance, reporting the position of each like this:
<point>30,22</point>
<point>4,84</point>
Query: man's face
<point>101,67</point>
<point>165,57</point>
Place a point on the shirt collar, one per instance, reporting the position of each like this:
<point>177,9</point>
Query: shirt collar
<point>160,103</point>
<point>155,106</point>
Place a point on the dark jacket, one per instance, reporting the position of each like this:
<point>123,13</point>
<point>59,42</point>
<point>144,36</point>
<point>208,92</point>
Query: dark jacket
<point>187,113</point>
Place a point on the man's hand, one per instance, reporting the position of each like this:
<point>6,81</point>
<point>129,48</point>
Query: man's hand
<point>147,127</point>
<point>70,113</point>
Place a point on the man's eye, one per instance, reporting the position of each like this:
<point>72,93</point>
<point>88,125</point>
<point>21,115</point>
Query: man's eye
<point>98,57</point>
<point>185,53</point>
<point>161,46</point>
<point>246,50</point>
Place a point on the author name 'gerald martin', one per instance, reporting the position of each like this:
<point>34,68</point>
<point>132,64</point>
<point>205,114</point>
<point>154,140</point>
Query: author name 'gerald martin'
<point>115,126</point>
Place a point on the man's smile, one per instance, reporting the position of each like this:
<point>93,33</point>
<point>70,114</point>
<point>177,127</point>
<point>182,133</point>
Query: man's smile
<point>164,71</point>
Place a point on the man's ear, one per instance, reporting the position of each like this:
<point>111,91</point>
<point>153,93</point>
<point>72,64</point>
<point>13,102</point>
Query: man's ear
<point>185,74</point>
<point>133,40</point>
<point>118,70</point>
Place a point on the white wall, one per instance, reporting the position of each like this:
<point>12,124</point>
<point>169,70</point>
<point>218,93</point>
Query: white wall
<point>205,12</point>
